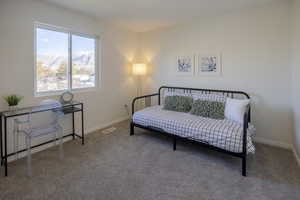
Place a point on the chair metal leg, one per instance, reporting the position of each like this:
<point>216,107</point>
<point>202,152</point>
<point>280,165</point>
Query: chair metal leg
<point>28,147</point>
<point>15,132</point>
<point>61,150</point>
<point>17,145</point>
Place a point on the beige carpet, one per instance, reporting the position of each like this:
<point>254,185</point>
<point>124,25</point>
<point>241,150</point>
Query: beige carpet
<point>144,166</point>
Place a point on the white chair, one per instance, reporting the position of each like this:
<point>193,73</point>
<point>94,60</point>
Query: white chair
<point>31,131</point>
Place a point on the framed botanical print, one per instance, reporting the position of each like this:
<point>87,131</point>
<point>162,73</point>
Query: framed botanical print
<point>208,65</point>
<point>185,65</point>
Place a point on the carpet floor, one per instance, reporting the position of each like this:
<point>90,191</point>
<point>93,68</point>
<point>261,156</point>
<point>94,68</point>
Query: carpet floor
<point>144,167</point>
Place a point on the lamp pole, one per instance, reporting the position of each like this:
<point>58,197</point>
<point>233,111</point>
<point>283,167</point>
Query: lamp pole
<point>139,90</point>
<point>139,69</point>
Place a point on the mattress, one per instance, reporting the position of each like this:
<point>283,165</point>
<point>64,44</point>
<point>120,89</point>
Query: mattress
<point>225,134</point>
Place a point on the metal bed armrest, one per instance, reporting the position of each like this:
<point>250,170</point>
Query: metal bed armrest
<point>245,129</point>
<point>141,97</point>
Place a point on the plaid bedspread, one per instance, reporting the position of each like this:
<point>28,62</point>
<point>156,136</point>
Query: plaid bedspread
<point>225,134</point>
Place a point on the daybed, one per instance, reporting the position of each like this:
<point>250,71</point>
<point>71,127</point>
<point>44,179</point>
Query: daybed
<point>227,136</point>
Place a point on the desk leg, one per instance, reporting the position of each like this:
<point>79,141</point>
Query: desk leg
<point>73,125</point>
<point>1,138</point>
<point>82,125</point>
<point>5,145</point>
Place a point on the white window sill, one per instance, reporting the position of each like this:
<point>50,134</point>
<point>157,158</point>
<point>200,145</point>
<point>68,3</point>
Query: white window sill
<point>58,93</point>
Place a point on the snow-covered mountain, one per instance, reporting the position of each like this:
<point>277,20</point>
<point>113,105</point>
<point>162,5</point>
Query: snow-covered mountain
<point>53,62</point>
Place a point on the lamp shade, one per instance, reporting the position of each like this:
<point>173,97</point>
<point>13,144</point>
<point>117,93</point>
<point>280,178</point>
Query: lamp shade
<point>139,69</point>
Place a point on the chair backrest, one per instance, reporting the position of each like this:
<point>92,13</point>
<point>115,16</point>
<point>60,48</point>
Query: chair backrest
<point>53,114</point>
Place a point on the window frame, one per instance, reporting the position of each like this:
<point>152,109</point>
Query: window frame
<point>69,66</point>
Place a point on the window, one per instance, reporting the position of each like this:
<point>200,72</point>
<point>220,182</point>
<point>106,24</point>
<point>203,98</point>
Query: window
<point>64,60</point>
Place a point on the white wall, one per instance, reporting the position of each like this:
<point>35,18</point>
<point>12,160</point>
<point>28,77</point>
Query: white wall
<point>254,43</point>
<point>118,47</point>
<point>255,47</point>
<point>296,72</point>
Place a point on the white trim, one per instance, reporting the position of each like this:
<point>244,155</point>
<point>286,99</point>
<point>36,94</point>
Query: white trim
<point>35,60</point>
<point>296,155</point>
<point>58,93</point>
<point>273,143</point>
<point>279,145</point>
<point>69,70</point>
<point>102,126</point>
<point>65,30</point>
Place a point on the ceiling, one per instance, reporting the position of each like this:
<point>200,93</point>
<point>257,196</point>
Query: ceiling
<point>146,15</point>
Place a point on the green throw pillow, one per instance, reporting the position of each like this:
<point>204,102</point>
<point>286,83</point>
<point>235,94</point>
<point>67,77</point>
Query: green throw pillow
<point>178,103</point>
<point>217,110</point>
<point>211,109</point>
<point>201,108</point>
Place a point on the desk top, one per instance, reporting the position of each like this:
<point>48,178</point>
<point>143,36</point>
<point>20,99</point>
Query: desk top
<point>41,108</point>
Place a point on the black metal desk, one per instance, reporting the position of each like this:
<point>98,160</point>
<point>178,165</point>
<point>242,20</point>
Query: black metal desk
<point>70,108</point>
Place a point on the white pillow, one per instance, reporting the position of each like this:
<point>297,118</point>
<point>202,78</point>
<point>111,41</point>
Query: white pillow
<point>235,109</point>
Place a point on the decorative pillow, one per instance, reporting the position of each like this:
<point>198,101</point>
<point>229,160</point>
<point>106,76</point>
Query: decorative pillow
<point>211,109</point>
<point>235,109</point>
<point>217,110</point>
<point>175,93</point>
<point>178,103</point>
<point>201,108</point>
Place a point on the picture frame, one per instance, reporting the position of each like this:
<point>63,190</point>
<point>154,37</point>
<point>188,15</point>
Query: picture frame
<point>184,65</point>
<point>208,64</point>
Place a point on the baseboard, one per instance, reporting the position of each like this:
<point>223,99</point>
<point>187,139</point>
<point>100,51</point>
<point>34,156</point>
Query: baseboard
<point>273,143</point>
<point>102,126</point>
<point>296,156</point>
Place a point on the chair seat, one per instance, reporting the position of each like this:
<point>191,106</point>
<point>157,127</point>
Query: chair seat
<point>39,131</point>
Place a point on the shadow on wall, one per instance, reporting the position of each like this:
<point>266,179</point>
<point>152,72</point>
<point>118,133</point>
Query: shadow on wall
<point>275,119</point>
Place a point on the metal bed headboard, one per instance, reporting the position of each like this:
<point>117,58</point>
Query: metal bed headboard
<point>227,93</point>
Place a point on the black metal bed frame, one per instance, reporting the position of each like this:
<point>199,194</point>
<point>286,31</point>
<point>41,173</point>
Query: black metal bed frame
<point>228,93</point>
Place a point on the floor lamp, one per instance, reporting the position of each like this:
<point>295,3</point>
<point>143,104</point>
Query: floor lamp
<point>139,70</point>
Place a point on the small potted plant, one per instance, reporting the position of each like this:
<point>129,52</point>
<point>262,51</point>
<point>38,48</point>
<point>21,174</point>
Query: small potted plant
<point>13,101</point>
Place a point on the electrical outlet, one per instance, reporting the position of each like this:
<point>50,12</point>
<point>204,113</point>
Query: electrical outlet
<point>126,108</point>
